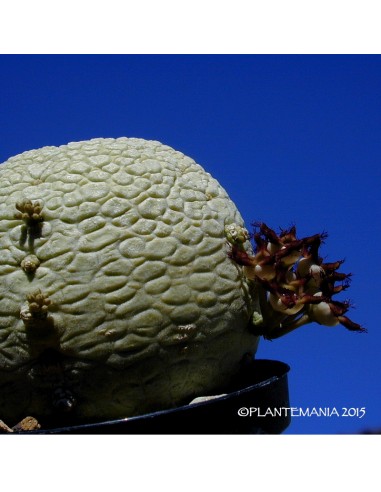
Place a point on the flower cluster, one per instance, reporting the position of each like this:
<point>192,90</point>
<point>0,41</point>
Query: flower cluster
<point>299,287</point>
<point>30,212</point>
<point>38,304</point>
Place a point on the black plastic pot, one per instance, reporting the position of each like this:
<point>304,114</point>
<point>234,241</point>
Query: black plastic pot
<point>252,405</point>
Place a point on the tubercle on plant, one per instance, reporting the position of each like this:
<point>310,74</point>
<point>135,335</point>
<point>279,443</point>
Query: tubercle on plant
<point>295,286</point>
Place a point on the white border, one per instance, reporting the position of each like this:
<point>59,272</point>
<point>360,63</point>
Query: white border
<point>207,26</point>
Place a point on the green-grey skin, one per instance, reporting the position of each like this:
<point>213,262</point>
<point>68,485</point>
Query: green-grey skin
<point>117,293</point>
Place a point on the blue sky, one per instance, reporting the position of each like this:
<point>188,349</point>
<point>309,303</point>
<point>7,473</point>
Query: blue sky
<point>293,139</point>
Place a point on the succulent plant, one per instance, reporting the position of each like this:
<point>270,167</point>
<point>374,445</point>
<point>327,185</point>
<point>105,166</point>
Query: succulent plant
<point>129,283</point>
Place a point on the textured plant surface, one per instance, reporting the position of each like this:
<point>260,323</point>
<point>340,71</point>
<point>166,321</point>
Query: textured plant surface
<point>117,292</point>
<point>129,284</point>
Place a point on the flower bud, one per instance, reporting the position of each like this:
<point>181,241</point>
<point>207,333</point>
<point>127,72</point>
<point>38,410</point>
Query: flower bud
<point>236,234</point>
